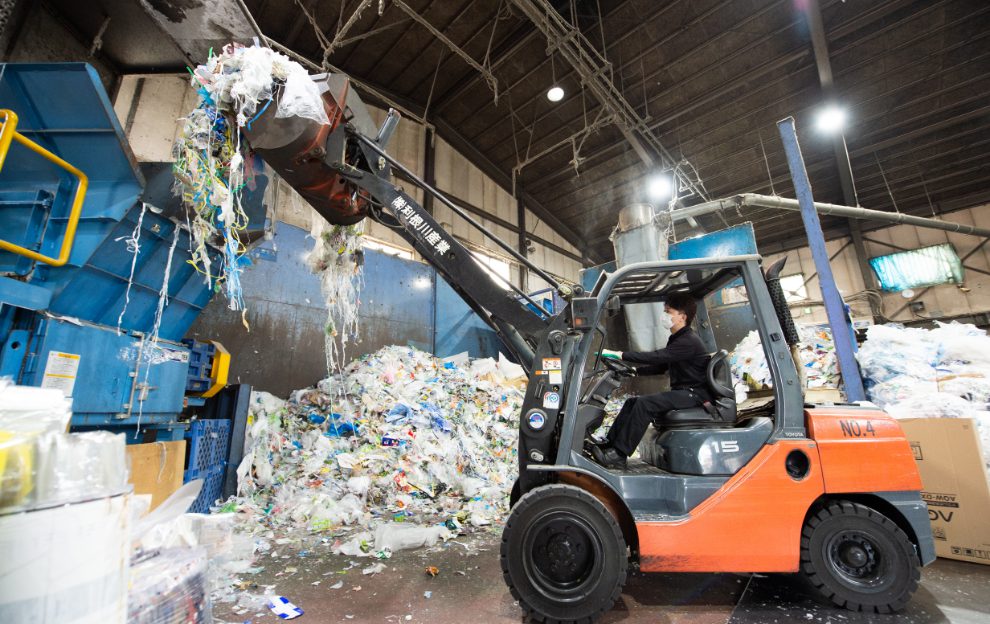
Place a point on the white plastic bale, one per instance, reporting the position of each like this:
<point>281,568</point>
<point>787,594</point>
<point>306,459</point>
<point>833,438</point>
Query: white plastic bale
<point>66,564</point>
<point>932,405</point>
<point>983,429</point>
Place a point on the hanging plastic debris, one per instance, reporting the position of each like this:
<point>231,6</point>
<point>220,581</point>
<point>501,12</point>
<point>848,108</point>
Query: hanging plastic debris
<point>208,170</point>
<point>133,247</point>
<point>235,88</point>
<point>337,258</point>
<point>163,293</point>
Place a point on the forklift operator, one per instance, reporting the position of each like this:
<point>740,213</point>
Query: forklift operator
<point>684,357</point>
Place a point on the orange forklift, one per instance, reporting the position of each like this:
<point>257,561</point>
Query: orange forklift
<point>770,485</point>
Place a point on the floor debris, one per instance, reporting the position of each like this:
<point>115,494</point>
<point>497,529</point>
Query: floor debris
<point>284,609</point>
<point>398,451</point>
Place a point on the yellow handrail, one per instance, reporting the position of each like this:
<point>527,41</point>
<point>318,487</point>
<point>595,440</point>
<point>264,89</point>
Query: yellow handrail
<point>8,133</point>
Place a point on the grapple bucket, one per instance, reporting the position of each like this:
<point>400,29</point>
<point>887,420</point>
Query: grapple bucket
<point>301,150</point>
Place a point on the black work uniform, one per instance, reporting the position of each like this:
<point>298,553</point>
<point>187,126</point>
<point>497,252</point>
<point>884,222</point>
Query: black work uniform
<point>686,359</point>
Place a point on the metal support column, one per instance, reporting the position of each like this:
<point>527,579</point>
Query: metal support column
<point>835,308</point>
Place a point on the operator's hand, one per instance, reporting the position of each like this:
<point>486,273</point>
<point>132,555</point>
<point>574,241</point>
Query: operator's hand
<point>615,355</point>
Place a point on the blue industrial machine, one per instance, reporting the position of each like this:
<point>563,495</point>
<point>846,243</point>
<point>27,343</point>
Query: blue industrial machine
<point>85,239</point>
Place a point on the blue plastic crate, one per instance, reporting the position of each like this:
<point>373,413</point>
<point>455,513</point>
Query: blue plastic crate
<point>208,444</point>
<point>212,488</point>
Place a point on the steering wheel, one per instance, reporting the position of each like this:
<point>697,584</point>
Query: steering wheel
<point>619,367</point>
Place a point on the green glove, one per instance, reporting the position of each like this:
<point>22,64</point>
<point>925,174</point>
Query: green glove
<point>615,355</point>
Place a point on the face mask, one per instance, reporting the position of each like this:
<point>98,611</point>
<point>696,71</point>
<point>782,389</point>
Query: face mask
<point>665,321</point>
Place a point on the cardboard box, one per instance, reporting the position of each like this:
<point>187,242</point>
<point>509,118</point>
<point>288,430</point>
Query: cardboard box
<point>157,468</point>
<point>954,479</point>
<point>823,395</point>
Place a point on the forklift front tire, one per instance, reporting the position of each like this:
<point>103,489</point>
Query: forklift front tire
<point>563,555</point>
<point>858,558</point>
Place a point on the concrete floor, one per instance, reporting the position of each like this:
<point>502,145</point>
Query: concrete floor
<point>469,588</point>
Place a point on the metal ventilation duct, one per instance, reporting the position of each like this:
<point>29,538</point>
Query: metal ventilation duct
<point>641,236</point>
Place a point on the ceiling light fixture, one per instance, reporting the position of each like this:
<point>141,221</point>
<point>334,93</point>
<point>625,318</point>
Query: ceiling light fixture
<point>556,92</point>
<point>831,119</point>
<point>660,187</point>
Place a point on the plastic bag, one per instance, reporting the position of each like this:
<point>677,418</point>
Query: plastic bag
<point>27,409</point>
<point>932,405</point>
<point>168,512</point>
<point>301,98</point>
<point>400,536</point>
<point>170,588</point>
<point>357,546</point>
<point>78,466</point>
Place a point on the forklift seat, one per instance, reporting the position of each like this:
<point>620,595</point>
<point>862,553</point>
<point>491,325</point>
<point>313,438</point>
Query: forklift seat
<point>720,412</point>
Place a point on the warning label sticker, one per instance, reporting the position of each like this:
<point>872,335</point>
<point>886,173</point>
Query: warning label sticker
<point>60,371</point>
<point>551,363</point>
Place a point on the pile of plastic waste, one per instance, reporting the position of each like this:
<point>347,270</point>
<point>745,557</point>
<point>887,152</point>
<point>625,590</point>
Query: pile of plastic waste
<point>944,371</point>
<point>401,446</point>
<point>749,364</point>
<point>939,373</point>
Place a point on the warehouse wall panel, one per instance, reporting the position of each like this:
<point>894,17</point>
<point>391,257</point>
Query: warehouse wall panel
<point>149,107</point>
<point>402,302</point>
<point>946,300</point>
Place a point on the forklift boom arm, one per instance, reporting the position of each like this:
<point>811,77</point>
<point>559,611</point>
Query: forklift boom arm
<point>346,175</point>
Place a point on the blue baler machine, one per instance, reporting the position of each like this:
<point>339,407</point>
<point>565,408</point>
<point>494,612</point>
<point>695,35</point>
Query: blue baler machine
<point>71,198</point>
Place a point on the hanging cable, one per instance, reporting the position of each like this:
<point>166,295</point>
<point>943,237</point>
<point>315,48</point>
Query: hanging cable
<point>885,183</point>
<point>766,161</point>
<point>485,72</point>
<point>429,98</point>
<point>333,45</point>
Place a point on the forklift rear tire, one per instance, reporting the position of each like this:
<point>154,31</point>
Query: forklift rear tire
<point>858,558</point>
<point>563,555</point>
